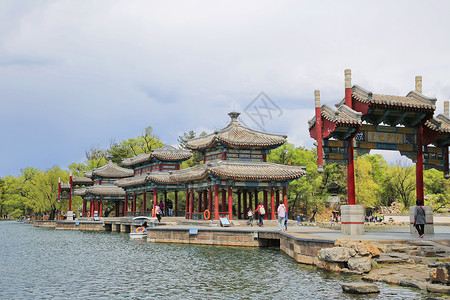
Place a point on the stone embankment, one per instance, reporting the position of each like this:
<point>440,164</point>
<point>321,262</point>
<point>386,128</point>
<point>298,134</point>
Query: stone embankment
<point>420,264</point>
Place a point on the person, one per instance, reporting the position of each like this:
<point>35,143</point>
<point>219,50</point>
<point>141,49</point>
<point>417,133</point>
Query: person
<point>281,214</point>
<point>419,219</point>
<point>158,212</point>
<point>261,211</point>
<point>170,207</point>
<point>250,216</point>
<point>161,206</point>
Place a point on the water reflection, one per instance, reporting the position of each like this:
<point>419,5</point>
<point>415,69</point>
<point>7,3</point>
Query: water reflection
<point>42,263</point>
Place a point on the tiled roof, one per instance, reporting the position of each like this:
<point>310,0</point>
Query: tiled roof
<point>237,135</point>
<point>440,123</point>
<point>82,180</point>
<point>171,153</point>
<point>110,170</point>
<point>412,100</point>
<point>65,186</point>
<point>105,190</point>
<point>79,192</point>
<point>344,115</point>
<point>158,177</point>
<point>241,170</point>
<point>166,152</point>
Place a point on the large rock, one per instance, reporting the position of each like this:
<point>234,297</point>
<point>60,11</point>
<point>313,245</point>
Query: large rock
<point>363,248</point>
<point>438,288</point>
<point>336,254</point>
<point>441,274</point>
<point>359,288</point>
<point>360,264</point>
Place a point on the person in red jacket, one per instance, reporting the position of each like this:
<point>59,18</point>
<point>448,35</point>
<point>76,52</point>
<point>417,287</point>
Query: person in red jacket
<point>261,211</point>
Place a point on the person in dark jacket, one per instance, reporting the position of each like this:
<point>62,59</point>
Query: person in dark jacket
<point>419,219</point>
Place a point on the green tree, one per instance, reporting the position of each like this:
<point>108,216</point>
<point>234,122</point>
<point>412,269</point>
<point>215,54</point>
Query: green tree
<point>366,187</point>
<point>197,157</point>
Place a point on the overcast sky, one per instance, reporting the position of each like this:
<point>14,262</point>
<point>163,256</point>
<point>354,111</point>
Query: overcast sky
<point>76,74</point>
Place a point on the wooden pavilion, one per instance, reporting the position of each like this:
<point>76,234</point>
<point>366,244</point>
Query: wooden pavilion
<point>235,161</point>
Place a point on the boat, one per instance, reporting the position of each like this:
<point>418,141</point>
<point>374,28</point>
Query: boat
<point>139,233</point>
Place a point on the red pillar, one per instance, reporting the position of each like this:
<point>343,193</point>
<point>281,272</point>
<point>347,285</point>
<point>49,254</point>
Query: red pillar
<point>134,204</point>
<point>419,166</point>
<point>216,202</point>
<point>445,154</point>
<point>84,208</point>
<point>230,202</point>
<point>350,161</point>
<point>186,213</point>
<point>272,203</point>
<point>176,204</point>
<point>239,214</point>
<point>250,199</point>
<point>285,197</point>
<point>256,199</point>
<point>116,214</point>
<point>200,200</point>
<point>266,216</point>
<point>125,206</point>
<point>100,214</point>
<point>191,206</point>
<point>350,173</point>
<point>166,210</point>
<point>210,207</point>
<point>224,198</point>
<point>155,200</point>
<point>205,199</point>
<point>70,191</point>
<point>124,211</point>
<point>144,202</point>
<point>319,131</point>
<point>91,207</point>
<point>244,200</point>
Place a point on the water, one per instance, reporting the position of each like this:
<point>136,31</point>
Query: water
<point>39,263</point>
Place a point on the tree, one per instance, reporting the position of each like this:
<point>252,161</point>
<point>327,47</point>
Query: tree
<point>366,187</point>
<point>400,180</point>
<point>196,158</point>
<point>437,189</point>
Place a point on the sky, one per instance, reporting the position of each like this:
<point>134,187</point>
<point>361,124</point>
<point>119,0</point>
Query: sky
<point>79,74</point>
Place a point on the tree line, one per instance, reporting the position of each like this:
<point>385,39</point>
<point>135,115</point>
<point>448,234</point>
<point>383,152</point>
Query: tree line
<point>34,191</point>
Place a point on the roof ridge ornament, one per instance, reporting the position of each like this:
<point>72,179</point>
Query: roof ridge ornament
<point>234,116</point>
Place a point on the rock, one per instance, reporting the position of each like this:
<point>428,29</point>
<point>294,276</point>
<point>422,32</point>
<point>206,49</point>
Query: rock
<point>359,288</point>
<point>350,272</point>
<point>381,247</point>
<point>435,264</point>
<point>330,266</point>
<point>414,284</point>
<point>391,258</point>
<point>363,248</point>
<point>401,249</point>
<point>438,288</point>
<point>360,264</point>
<point>441,274</point>
<point>336,254</point>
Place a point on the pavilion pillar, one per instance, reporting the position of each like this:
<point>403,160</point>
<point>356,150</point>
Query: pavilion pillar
<point>200,200</point>
<point>419,166</point>
<point>272,203</point>
<point>100,214</point>
<point>205,200</point>
<point>285,200</point>
<point>319,132</point>
<point>144,202</point>
<point>216,202</point>
<point>155,200</point>
<point>116,214</point>
<point>239,215</point>
<point>91,207</point>
<point>230,202</point>
<point>244,203</point>
<point>125,205</point>
<point>84,208</point>
<point>191,206</point>
<point>134,204</point>
<point>186,214</point>
<point>256,199</point>
<point>352,215</point>
<point>250,199</point>
<point>176,203</point>
<point>70,191</point>
<point>210,207</point>
<point>224,198</point>
<point>166,210</point>
<point>446,169</point>
<point>266,216</point>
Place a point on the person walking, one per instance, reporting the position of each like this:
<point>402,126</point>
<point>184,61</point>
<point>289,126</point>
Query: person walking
<point>158,212</point>
<point>419,219</point>
<point>170,207</point>
<point>281,214</point>
<point>285,221</point>
<point>250,216</point>
<point>261,211</point>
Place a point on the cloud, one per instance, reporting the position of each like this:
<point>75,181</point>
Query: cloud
<point>76,74</point>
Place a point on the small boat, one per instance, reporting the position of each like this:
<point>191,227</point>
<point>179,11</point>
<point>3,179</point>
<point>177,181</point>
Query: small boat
<point>139,233</point>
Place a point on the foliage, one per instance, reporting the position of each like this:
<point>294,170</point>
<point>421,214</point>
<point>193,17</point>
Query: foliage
<point>196,159</point>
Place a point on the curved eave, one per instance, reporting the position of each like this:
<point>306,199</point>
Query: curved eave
<point>250,177</point>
